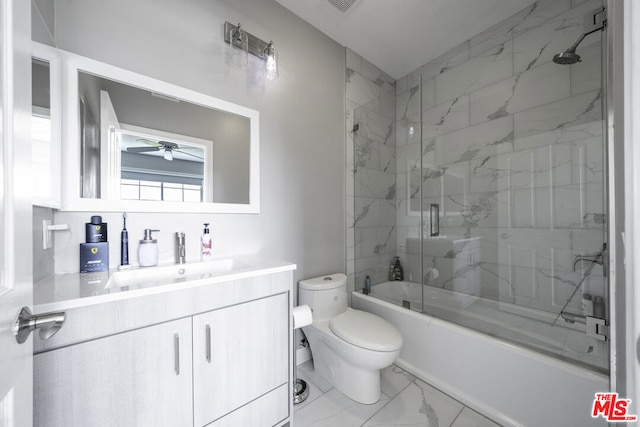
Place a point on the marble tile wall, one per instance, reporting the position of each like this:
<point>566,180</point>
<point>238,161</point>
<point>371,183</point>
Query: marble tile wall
<point>512,152</point>
<point>371,171</point>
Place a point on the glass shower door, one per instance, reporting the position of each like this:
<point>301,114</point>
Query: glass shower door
<point>374,218</point>
<point>512,187</point>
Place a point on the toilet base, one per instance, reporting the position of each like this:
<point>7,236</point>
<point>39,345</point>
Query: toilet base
<point>361,385</point>
<point>353,370</point>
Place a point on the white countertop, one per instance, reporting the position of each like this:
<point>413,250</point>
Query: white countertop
<point>72,290</point>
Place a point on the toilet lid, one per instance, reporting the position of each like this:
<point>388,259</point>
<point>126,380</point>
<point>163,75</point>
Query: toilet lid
<point>366,330</point>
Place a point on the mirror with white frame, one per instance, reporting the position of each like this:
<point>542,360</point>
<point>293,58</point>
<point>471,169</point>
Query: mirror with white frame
<point>138,144</point>
<point>45,126</point>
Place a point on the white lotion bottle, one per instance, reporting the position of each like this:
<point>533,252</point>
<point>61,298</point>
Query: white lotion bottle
<point>148,250</point>
<point>206,245</point>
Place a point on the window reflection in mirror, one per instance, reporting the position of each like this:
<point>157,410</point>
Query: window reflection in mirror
<point>41,137</point>
<point>139,145</point>
<point>162,167</point>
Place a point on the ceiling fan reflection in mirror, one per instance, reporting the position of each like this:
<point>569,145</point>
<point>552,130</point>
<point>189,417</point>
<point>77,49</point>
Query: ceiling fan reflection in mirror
<point>169,148</point>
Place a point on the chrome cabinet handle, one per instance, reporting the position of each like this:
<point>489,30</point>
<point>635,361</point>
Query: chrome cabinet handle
<point>208,333</point>
<point>48,324</point>
<point>176,347</point>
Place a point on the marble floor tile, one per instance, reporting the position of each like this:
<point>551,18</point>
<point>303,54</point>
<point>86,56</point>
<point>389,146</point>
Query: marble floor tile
<point>307,372</point>
<point>334,409</point>
<point>406,401</point>
<point>314,392</point>
<point>470,418</point>
<point>418,405</point>
<point>394,379</point>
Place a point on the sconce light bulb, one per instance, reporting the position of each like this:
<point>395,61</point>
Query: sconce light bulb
<point>272,72</point>
<point>271,62</point>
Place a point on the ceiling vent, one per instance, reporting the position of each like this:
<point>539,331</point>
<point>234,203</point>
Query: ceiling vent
<point>343,5</point>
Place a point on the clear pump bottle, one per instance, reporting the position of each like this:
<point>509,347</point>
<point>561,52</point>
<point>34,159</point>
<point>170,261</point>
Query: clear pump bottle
<point>206,245</point>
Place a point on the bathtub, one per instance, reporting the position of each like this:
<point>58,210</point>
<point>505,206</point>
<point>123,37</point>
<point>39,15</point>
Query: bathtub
<point>511,384</point>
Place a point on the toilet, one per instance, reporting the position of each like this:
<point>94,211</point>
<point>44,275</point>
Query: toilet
<point>349,347</point>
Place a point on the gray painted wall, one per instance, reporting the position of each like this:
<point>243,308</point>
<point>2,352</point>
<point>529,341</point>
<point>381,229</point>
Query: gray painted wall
<point>40,84</point>
<point>42,20</point>
<point>302,150</point>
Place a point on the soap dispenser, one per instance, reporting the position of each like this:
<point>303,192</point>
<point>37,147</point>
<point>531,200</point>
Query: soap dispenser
<point>206,245</point>
<point>367,286</point>
<point>148,249</point>
<point>398,272</point>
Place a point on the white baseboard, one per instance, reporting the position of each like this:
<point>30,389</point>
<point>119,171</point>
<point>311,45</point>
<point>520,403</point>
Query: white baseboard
<point>302,355</point>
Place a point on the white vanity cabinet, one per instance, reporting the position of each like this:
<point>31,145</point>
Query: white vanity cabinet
<point>136,378</point>
<point>215,351</point>
<point>240,355</point>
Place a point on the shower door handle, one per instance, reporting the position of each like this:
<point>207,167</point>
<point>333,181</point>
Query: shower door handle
<point>434,221</point>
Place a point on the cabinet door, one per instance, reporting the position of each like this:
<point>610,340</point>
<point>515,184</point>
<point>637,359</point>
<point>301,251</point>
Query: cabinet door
<point>239,354</point>
<point>137,378</point>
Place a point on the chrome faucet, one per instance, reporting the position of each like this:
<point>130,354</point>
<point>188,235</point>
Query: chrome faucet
<point>181,250</point>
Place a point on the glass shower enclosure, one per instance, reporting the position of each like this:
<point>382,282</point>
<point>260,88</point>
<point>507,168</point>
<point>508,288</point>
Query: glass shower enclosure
<point>490,186</point>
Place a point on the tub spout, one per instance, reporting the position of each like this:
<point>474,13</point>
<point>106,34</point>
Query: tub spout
<point>573,318</point>
<point>595,258</point>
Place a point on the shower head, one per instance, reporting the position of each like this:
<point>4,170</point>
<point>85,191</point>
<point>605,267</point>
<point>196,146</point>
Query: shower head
<point>593,21</point>
<point>569,56</point>
<point>566,58</point>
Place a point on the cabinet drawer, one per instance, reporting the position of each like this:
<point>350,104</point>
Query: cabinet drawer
<point>267,410</point>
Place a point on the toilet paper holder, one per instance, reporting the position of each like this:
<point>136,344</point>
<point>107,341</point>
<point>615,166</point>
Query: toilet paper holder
<point>302,316</point>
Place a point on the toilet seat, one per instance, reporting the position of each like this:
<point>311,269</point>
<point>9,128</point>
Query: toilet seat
<point>366,330</point>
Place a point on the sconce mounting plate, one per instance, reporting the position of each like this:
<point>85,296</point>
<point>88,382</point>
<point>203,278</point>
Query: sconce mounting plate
<point>256,45</point>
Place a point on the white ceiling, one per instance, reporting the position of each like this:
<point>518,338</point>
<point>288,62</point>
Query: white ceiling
<point>398,36</point>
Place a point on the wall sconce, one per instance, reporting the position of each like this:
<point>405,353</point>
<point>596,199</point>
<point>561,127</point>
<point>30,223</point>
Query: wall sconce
<point>271,62</point>
<point>244,43</point>
<point>239,40</point>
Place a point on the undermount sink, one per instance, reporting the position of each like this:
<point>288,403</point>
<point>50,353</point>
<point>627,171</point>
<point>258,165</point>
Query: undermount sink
<point>70,290</point>
<point>153,276</point>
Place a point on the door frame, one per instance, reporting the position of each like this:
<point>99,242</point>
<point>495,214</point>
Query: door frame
<point>629,102</point>
<point>623,44</point>
<point>16,246</point>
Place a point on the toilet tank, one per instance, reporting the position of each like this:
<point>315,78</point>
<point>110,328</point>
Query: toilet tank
<point>325,295</point>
